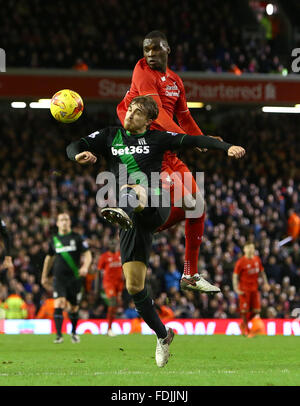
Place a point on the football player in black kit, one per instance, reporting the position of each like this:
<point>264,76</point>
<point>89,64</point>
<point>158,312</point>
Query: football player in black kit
<point>66,249</point>
<point>5,241</point>
<point>139,152</point>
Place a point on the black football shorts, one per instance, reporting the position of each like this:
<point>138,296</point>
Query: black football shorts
<point>136,243</point>
<point>69,288</point>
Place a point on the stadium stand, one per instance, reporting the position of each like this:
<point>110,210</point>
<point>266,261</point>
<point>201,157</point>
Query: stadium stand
<point>46,36</point>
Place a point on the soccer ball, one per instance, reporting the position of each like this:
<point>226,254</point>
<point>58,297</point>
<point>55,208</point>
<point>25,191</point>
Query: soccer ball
<point>66,106</point>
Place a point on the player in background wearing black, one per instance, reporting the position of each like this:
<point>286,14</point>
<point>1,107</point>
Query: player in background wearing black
<point>65,251</point>
<point>5,241</point>
<point>140,150</point>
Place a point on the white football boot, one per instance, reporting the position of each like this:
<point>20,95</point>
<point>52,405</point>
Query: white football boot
<point>75,338</point>
<point>162,348</point>
<point>110,333</point>
<point>197,282</point>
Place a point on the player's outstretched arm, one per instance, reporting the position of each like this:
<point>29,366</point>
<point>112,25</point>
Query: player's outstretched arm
<point>265,280</point>
<point>87,260</point>
<point>212,143</point>
<point>78,151</point>
<point>45,280</point>
<point>235,281</point>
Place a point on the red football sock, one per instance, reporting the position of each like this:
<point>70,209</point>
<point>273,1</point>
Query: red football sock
<point>194,229</point>
<point>110,315</point>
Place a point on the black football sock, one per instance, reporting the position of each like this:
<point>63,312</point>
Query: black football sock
<point>74,320</point>
<point>58,320</point>
<point>144,305</point>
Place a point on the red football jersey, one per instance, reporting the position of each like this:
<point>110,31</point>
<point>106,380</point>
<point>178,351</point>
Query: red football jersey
<point>248,270</point>
<point>168,91</point>
<point>111,264</point>
<point>168,86</point>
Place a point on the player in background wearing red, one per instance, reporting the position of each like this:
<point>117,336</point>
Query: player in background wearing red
<point>110,265</point>
<point>152,77</point>
<point>245,283</point>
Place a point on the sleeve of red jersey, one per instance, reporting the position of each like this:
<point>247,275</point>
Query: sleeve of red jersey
<point>146,85</point>
<point>183,115</point>
<point>237,268</point>
<point>121,110</point>
<point>101,262</point>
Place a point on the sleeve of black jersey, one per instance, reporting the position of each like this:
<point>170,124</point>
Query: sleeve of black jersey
<point>51,250</point>
<point>174,141</point>
<point>84,246</point>
<point>95,143</point>
<point>6,237</point>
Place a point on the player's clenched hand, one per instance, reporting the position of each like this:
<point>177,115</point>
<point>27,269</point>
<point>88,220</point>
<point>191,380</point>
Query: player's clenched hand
<point>236,152</point>
<point>83,271</point>
<point>46,283</point>
<point>239,292</point>
<point>85,157</point>
<point>7,263</point>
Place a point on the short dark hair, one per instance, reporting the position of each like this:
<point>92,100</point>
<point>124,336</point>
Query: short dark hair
<point>156,34</point>
<point>148,104</point>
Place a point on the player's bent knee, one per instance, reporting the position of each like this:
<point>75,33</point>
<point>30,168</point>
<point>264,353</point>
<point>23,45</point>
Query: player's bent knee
<point>60,302</point>
<point>133,289</point>
<point>189,203</point>
<point>141,195</point>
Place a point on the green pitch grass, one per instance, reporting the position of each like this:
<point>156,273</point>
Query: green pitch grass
<point>30,360</point>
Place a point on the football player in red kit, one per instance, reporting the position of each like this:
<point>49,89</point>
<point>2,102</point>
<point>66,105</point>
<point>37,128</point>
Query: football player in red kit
<point>245,283</point>
<point>110,264</point>
<point>152,77</point>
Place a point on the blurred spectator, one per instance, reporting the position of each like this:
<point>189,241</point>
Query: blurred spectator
<point>30,306</point>
<point>164,311</point>
<point>15,307</point>
<point>172,278</point>
<point>131,312</point>
<point>80,65</point>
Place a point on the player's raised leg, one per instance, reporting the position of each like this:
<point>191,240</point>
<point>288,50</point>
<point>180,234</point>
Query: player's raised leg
<point>184,186</point>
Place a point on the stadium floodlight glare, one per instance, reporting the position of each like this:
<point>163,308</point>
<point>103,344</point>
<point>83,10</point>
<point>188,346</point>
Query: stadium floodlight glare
<point>18,105</point>
<point>278,109</point>
<point>195,105</point>
<point>41,104</point>
<point>269,9</point>
<point>45,101</point>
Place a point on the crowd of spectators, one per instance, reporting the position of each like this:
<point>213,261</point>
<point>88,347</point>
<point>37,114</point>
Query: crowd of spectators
<point>246,199</point>
<point>205,36</point>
